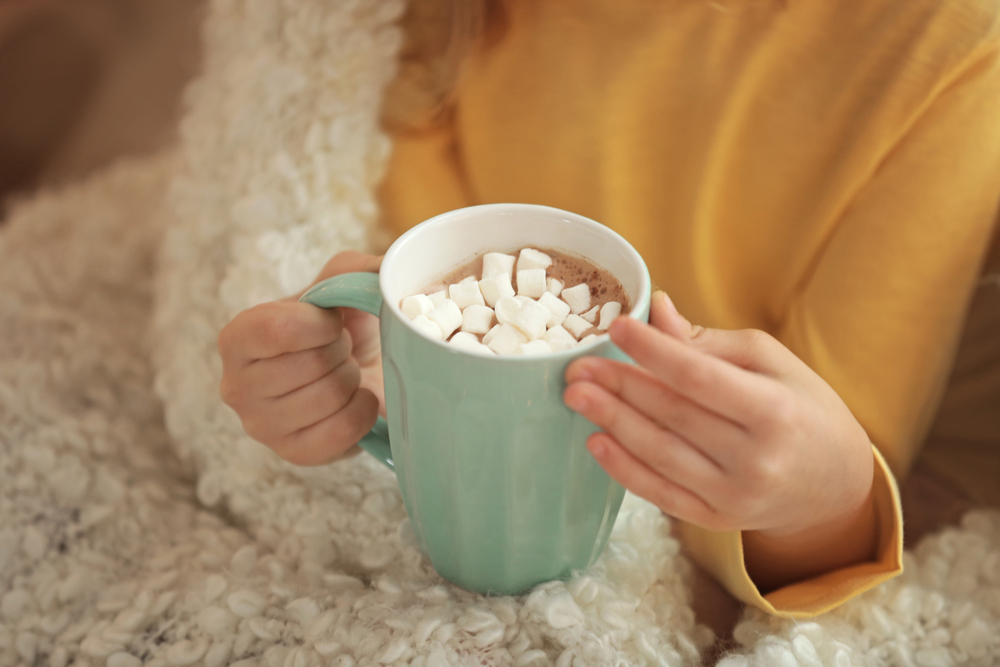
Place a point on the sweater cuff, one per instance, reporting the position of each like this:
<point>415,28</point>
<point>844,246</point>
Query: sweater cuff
<point>721,554</point>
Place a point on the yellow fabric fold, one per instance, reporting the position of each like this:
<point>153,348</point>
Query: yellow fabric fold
<point>721,554</point>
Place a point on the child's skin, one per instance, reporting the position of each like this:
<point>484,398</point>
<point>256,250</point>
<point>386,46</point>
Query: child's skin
<point>727,430</point>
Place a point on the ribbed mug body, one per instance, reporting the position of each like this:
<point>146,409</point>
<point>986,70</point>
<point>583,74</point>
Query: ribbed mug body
<point>493,467</point>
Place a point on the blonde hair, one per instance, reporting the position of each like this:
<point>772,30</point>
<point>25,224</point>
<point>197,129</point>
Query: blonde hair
<point>439,35</point>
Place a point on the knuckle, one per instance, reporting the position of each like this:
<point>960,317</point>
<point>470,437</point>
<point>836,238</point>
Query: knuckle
<point>662,497</point>
<point>317,362</point>
<point>230,391</point>
<point>257,429</point>
<point>273,327</point>
<point>691,376</point>
<point>224,341</point>
<point>757,342</point>
<point>768,470</point>
<point>674,416</point>
<point>296,451</point>
<point>662,454</point>
<point>605,413</point>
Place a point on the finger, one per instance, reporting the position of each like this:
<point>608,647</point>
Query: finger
<point>750,349</point>
<point>275,328</point>
<point>331,438</point>
<point>277,417</point>
<point>287,372</point>
<point>674,499</point>
<point>664,316</point>
<point>662,451</point>
<point>711,382</point>
<point>638,388</point>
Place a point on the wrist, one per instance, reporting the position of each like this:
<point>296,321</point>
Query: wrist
<point>776,558</point>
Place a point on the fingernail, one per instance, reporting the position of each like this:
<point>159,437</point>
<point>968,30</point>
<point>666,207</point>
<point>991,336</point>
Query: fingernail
<point>597,449</point>
<point>576,402</point>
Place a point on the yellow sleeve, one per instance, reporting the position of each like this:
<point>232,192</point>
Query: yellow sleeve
<point>881,314</point>
<point>721,554</point>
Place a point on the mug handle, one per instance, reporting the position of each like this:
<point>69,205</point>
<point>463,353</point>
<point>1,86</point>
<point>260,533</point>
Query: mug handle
<point>359,291</point>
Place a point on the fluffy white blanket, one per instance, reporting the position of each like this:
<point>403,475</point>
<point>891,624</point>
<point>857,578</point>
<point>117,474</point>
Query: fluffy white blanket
<point>138,525</point>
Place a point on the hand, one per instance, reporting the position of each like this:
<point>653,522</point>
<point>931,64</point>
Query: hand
<point>729,430</point>
<point>305,381</point>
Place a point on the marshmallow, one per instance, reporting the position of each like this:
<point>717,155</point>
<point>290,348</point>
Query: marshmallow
<point>530,319</point>
<point>463,338</point>
<point>576,325</point>
<point>531,283</point>
<point>487,315</point>
<point>558,334</point>
<point>533,347</point>
<point>577,297</point>
<point>491,333</point>
<point>507,340</point>
<point>560,345</point>
<point>470,343</point>
<point>428,328</point>
<point>418,304</point>
<point>591,315</point>
<point>505,308</point>
<point>496,287</point>
<point>437,298</point>
<point>477,319</point>
<point>609,312</point>
<point>530,258</point>
<point>497,263</point>
<point>448,316</point>
<point>466,294</point>
<point>558,309</point>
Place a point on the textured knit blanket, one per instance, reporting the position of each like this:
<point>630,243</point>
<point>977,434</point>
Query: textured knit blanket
<point>139,525</point>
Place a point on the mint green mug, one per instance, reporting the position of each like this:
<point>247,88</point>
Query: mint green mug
<point>493,467</point>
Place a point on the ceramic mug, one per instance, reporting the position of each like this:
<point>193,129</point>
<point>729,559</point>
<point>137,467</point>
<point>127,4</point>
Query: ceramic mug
<point>493,468</point>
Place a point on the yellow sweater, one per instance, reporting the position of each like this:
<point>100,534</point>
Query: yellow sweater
<point>827,171</point>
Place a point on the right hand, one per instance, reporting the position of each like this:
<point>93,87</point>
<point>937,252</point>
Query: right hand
<point>305,381</point>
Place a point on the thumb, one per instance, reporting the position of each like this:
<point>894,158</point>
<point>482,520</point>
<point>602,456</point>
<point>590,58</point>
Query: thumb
<point>349,261</point>
<point>663,315</point>
<point>362,326</point>
<point>750,349</point>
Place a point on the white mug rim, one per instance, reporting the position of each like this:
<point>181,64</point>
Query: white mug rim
<point>640,303</point>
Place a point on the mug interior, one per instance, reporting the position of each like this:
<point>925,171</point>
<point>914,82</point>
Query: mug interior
<point>432,249</point>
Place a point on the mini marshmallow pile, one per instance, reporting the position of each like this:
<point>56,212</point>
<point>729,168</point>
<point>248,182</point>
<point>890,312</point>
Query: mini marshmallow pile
<point>486,316</point>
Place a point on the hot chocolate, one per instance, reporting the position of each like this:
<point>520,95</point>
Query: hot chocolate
<point>529,301</point>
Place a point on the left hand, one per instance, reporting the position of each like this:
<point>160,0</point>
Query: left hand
<point>729,430</point>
